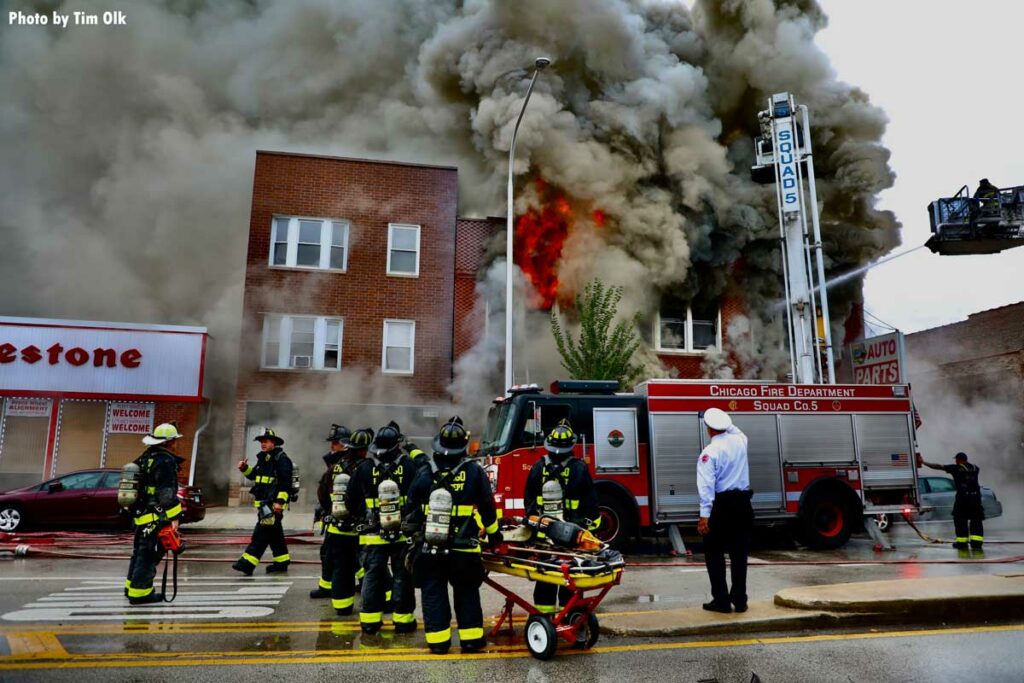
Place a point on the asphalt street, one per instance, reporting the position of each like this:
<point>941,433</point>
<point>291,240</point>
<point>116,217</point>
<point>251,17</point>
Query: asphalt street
<point>62,614</point>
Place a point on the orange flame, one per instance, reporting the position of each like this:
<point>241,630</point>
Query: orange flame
<point>539,236</point>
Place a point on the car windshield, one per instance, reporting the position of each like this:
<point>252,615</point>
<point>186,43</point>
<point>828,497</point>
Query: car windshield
<point>499,426</point>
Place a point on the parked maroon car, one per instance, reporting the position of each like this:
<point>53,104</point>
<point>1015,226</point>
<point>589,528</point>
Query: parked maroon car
<point>84,499</point>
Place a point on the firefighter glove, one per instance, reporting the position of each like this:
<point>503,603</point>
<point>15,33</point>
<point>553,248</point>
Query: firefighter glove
<point>242,466</point>
<point>495,539</point>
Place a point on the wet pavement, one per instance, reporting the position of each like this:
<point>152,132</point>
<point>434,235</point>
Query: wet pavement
<point>57,614</point>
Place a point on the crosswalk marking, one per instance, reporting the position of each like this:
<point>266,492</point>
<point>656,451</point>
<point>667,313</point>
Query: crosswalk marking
<point>100,600</point>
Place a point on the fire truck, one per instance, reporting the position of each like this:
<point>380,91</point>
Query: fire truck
<point>821,456</point>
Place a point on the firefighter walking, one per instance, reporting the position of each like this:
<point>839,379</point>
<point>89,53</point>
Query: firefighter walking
<point>726,514</point>
<point>968,511</point>
<point>375,496</point>
<point>448,503</point>
<point>271,491</point>
<point>154,507</point>
<point>560,485</point>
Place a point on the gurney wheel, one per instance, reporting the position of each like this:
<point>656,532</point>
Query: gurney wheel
<point>588,632</point>
<point>541,639</point>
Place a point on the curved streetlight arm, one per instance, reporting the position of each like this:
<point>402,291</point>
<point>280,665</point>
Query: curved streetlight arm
<point>540,64</point>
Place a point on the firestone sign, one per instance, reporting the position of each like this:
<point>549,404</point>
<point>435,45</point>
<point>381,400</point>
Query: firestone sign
<point>90,359</point>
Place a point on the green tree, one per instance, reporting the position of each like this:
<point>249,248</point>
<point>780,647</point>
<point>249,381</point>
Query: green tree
<point>602,350</point>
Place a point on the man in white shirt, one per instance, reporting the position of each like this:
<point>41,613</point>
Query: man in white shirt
<point>726,515</point>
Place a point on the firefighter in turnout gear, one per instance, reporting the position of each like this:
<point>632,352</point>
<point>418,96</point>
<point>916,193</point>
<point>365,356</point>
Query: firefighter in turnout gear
<point>271,491</point>
<point>156,505</point>
<point>375,498</point>
<point>333,460</point>
<point>448,504</point>
<point>578,498</point>
<point>968,511</point>
<point>341,535</point>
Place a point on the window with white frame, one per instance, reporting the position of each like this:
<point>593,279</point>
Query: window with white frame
<point>302,342</point>
<point>403,250</point>
<point>684,328</point>
<point>399,346</point>
<point>318,243</point>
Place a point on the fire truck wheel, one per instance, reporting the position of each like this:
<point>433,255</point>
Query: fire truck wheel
<point>618,518</point>
<point>827,520</point>
<point>541,639</point>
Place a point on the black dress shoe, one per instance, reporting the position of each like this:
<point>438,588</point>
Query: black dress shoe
<point>244,567</point>
<point>740,607</point>
<point>147,599</point>
<point>277,567</point>
<point>717,607</point>
<point>320,593</point>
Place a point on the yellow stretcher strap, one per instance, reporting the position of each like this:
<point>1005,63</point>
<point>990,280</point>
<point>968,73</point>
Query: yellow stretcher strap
<point>552,576</point>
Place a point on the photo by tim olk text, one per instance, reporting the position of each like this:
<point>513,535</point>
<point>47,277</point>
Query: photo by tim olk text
<point>64,20</point>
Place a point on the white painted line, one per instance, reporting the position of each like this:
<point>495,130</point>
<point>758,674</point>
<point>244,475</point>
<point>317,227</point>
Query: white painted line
<point>139,613</point>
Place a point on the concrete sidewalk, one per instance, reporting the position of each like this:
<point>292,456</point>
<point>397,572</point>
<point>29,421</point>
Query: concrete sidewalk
<point>964,598</point>
<point>239,517</point>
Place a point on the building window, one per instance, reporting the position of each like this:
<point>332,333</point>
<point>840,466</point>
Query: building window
<point>309,243</point>
<point>399,346</point>
<point>403,250</point>
<point>685,328</point>
<point>302,342</point>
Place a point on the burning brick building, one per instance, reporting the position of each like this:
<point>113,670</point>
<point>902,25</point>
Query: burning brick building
<point>361,294</point>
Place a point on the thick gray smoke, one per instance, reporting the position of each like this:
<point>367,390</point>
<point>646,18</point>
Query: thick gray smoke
<point>130,150</point>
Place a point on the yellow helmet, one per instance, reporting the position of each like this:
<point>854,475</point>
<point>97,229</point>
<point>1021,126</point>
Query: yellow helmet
<point>167,431</point>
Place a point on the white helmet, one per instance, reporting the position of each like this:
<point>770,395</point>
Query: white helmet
<point>718,420</point>
<point>163,433</point>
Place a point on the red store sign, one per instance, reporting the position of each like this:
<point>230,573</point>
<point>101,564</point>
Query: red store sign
<point>76,356</point>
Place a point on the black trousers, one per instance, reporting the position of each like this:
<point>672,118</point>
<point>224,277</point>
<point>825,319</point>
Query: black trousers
<point>545,595</point>
<point>326,564</point>
<point>968,514</point>
<point>267,535</point>
<point>731,524</point>
<point>343,559</point>
<point>376,584</point>
<point>147,551</point>
<point>464,572</point>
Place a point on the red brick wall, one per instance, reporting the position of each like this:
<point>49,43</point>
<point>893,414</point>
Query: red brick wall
<point>471,242</point>
<point>369,195</point>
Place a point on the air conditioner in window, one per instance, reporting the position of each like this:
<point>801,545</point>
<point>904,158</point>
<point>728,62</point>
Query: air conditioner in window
<point>302,361</point>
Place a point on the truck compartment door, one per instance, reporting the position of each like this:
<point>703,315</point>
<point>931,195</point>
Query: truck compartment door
<point>615,439</point>
<point>812,439</point>
<point>886,451</point>
<point>675,446</point>
<point>763,459</point>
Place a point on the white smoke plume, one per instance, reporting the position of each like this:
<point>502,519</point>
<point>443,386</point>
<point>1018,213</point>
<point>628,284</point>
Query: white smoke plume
<point>130,150</point>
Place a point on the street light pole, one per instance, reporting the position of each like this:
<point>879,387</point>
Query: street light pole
<point>539,64</point>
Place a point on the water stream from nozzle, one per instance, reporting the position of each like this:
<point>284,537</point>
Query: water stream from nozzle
<point>849,275</point>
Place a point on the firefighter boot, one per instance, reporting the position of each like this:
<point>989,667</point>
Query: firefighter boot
<point>278,567</point>
<point>243,566</point>
<point>472,646</point>
<point>147,599</point>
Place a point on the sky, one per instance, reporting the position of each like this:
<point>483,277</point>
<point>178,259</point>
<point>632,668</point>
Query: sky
<point>947,73</point>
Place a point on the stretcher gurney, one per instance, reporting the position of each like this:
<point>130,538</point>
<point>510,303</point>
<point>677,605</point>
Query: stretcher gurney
<point>581,572</point>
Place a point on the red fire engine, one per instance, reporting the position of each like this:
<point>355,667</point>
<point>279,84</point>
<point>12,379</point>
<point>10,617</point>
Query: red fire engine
<point>821,455</point>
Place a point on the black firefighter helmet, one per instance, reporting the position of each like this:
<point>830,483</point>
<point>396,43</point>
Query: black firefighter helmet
<point>359,439</point>
<point>338,433</point>
<point>270,435</point>
<point>387,443</point>
<point>451,443</point>
<point>560,441</point>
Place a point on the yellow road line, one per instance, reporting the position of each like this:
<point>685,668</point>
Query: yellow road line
<point>34,645</point>
<point>216,659</point>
